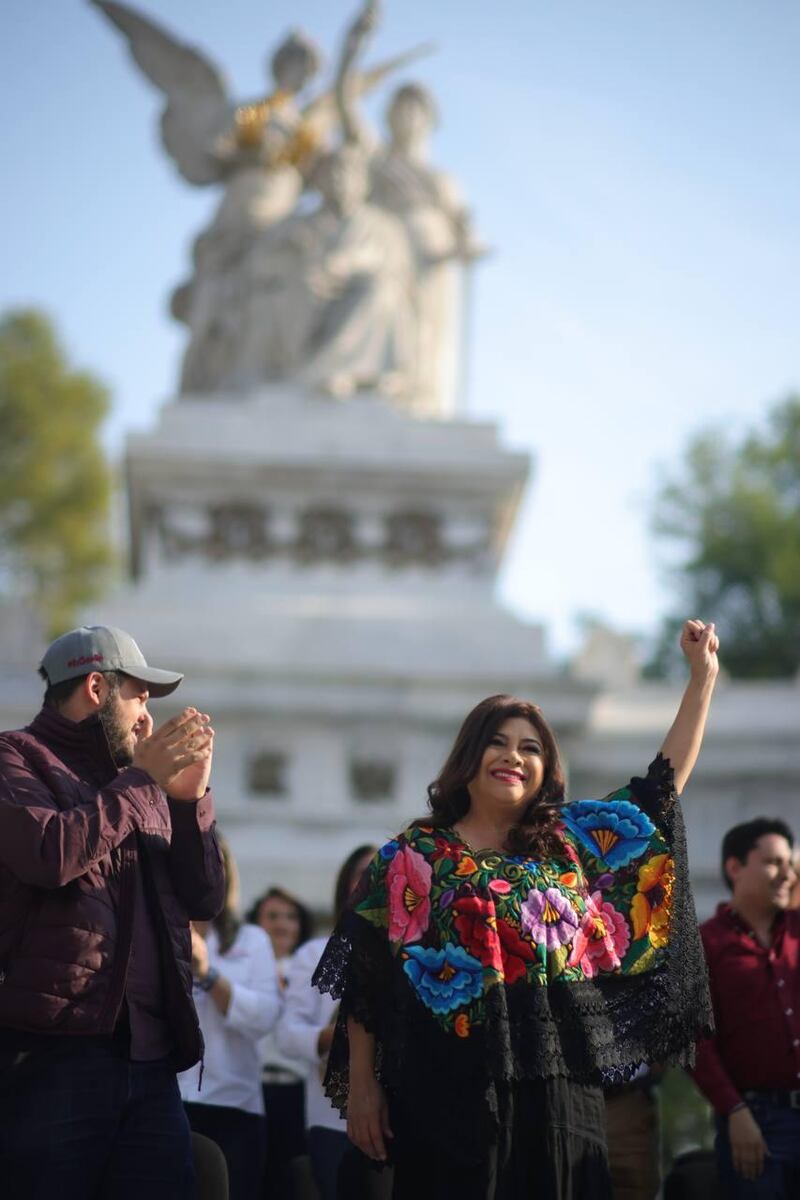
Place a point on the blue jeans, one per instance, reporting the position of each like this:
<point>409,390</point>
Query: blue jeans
<point>780,1179</point>
<point>80,1121</point>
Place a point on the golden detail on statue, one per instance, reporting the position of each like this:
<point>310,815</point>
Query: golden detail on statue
<point>251,119</point>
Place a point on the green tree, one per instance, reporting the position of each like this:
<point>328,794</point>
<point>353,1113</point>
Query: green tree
<point>733,511</point>
<point>686,1117</point>
<point>55,484</point>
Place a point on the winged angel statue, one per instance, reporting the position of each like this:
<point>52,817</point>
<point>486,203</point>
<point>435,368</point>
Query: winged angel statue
<point>263,153</point>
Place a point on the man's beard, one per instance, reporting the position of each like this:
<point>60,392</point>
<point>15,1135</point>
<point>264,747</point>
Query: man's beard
<point>119,737</point>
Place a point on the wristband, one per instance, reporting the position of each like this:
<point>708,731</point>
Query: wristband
<point>207,983</point>
<point>737,1108</point>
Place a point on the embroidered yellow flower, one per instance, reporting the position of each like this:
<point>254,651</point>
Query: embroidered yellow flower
<point>650,908</point>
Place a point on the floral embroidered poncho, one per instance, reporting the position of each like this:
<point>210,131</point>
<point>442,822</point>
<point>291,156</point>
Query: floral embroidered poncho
<point>479,967</point>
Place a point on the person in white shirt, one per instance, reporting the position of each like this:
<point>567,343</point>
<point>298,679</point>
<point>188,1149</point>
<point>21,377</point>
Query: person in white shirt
<point>288,924</point>
<point>305,1031</point>
<point>238,1001</point>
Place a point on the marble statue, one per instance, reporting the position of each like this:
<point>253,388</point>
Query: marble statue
<point>262,153</point>
<point>329,293</point>
<point>437,221</point>
<point>357,275</point>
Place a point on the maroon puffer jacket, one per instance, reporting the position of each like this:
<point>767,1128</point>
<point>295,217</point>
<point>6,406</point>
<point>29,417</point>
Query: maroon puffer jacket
<point>73,832</point>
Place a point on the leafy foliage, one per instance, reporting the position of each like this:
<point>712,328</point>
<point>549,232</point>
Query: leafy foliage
<point>734,511</point>
<point>55,484</point>
<point>686,1117</point>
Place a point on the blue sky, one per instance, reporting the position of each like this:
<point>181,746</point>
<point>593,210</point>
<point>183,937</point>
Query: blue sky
<point>634,164</point>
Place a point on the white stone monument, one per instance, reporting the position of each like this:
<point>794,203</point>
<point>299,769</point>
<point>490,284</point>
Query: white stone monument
<point>315,534</point>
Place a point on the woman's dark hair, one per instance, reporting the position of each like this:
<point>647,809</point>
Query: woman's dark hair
<point>305,920</point>
<point>448,797</point>
<point>227,922</point>
<point>347,878</point>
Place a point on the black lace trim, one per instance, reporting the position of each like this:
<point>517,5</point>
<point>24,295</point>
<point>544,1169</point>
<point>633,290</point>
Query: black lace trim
<point>655,792</point>
<point>599,1031</point>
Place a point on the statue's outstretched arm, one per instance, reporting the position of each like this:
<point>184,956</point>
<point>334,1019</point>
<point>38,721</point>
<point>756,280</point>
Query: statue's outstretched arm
<point>323,112</point>
<point>367,80</point>
<point>198,109</point>
<point>345,89</point>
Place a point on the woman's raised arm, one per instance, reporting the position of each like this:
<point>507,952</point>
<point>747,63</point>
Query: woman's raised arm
<point>699,644</point>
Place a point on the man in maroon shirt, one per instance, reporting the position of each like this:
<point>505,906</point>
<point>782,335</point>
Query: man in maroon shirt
<point>107,849</point>
<point>750,1069</point>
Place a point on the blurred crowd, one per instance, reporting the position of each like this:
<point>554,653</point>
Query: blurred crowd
<point>267,1032</point>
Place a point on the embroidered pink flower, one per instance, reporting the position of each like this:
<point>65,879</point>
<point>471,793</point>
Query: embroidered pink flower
<point>601,940</point>
<point>409,882</point>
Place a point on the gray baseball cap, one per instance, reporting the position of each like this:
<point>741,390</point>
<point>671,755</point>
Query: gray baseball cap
<point>101,648</point>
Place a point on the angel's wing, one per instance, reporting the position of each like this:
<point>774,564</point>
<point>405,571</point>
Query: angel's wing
<point>322,113</point>
<point>198,109</point>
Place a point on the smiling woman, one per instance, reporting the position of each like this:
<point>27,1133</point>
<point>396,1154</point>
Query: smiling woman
<point>509,953</point>
<point>502,784</point>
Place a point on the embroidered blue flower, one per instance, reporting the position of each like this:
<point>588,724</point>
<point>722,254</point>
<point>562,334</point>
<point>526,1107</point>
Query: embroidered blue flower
<point>389,850</point>
<point>445,979</point>
<point>615,831</point>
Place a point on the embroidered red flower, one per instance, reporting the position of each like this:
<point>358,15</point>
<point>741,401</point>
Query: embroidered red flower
<point>515,952</point>
<point>444,849</point>
<point>477,928</point>
<point>495,943</point>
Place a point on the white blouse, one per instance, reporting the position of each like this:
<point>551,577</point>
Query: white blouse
<point>305,1014</point>
<point>231,1064</point>
<point>289,1069</point>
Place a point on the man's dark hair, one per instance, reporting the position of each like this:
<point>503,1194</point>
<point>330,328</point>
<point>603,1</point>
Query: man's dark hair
<point>739,841</point>
<point>58,694</point>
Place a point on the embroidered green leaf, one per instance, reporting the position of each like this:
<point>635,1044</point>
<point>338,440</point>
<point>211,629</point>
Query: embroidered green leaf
<point>621,893</point>
<point>645,962</point>
<point>637,950</point>
<point>375,916</point>
<point>623,793</point>
<point>556,961</point>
